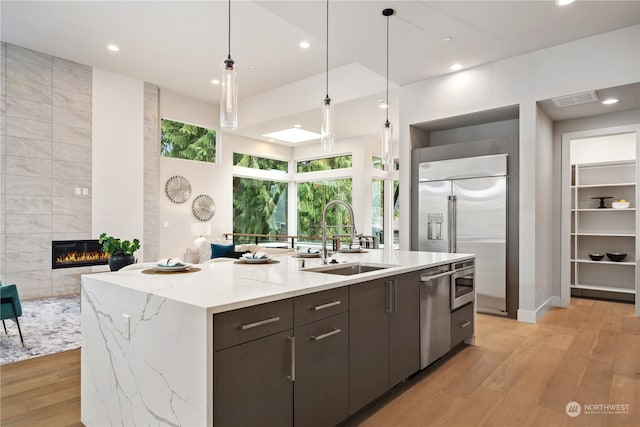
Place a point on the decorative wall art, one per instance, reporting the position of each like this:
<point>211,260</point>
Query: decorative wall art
<point>178,189</point>
<point>203,207</point>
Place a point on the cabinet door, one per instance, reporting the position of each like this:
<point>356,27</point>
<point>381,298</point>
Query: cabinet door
<point>251,385</point>
<point>321,387</point>
<point>404,328</point>
<point>368,342</point>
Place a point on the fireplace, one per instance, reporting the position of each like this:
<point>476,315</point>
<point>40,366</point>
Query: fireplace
<point>77,253</point>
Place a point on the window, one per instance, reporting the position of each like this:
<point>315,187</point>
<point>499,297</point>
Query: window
<point>185,141</point>
<point>376,162</point>
<point>327,163</point>
<point>259,206</point>
<point>312,198</point>
<point>377,209</point>
<point>255,162</point>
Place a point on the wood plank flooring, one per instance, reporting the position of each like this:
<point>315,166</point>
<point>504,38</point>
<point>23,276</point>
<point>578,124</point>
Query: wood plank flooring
<point>517,374</point>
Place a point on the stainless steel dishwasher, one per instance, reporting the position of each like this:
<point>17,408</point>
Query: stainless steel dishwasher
<point>435,313</point>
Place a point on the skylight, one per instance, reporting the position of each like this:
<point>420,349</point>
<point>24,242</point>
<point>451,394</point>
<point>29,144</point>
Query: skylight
<point>293,135</point>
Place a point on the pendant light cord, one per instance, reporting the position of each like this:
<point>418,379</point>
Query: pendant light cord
<point>327,73</point>
<point>387,69</point>
<point>229,27</point>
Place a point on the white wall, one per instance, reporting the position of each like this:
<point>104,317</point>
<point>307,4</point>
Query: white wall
<point>545,219</point>
<point>522,80</point>
<point>117,156</point>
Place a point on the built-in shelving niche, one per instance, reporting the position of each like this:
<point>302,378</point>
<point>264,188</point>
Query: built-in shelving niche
<point>601,230</point>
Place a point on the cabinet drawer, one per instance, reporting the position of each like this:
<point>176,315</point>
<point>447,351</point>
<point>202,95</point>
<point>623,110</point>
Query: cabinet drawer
<point>246,324</point>
<point>461,324</point>
<point>319,305</point>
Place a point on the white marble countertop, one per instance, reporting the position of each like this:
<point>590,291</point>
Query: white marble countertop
<point>224,286</point>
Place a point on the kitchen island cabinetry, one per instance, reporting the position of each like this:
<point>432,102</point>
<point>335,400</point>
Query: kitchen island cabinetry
<point>384,331</point>
<point>234,344</point>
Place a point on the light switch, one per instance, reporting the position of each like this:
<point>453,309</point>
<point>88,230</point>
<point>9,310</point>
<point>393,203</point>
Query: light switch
<point>125,326</point>
<point>85,191</point>
<point>165,224</point>
<point>78,191</point>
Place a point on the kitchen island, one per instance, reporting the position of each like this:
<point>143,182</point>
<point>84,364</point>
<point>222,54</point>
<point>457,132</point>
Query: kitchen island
<point>148,340</point>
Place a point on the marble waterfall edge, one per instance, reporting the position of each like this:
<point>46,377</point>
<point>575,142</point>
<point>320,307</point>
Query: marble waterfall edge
<point>127,377</point>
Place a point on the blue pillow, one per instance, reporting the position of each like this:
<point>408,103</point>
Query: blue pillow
<point>218,251</point>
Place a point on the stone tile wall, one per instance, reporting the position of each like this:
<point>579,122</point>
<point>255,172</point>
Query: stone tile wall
<point>151,167</point>
<point>45,157</point>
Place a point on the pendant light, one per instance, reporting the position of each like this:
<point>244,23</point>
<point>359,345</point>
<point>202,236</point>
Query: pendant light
<point>326,128</point>
<point>387,153</point>
<point>229,87</point>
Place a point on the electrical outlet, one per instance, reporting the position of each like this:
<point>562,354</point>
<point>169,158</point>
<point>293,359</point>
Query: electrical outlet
<point>126,326</point>
<point>85,191</point>
<point>78,191</point>
<point>165,224</point>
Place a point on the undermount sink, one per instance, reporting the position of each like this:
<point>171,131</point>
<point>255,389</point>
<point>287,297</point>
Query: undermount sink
<point>349,269</point>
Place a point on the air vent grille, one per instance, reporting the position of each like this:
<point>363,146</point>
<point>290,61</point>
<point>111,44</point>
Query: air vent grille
<point>575,99</point>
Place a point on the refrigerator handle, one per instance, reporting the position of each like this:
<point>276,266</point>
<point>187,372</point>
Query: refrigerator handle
<point>452,223</point>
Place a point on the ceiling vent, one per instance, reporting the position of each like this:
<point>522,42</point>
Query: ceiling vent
<point>575,99</point>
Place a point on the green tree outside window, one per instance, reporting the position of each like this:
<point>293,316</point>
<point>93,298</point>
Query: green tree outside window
<point>185,141</point>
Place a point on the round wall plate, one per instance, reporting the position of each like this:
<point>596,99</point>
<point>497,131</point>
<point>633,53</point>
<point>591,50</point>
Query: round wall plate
<point>203,207</point>
<point>178,189</point>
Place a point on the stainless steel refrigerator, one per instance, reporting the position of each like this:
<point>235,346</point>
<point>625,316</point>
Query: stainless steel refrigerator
<point>462,208</point>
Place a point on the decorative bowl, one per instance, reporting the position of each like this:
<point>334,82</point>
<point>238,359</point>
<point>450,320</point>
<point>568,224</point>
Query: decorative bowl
<point>620,205</point>
<point>596,257</point>
<point>616,256</point>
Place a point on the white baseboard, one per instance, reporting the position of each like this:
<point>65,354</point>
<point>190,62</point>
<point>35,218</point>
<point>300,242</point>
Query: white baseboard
<point>533,316</point>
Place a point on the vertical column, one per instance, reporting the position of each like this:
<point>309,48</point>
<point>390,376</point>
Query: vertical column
<point>151,208</point>
<point>27,169</point>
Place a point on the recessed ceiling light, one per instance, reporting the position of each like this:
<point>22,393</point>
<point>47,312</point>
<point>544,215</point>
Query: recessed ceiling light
<point>447,39</point>
<point>304,44</point>
<point>113,47</point>
<point>215,82</point>
<point>293,135</point>
<point>610,101</point>
<point>564,2</point>
<point>297,126</point>
<point>456,67</point>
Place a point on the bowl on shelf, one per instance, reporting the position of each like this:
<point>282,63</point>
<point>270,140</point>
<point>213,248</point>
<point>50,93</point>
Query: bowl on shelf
<point>620,205</point>
<point>596,257</point>
<point>616,256</point>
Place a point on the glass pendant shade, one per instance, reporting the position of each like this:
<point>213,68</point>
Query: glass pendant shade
<point>387,154</point>
<point>229,97</point>
<point>326,129</point>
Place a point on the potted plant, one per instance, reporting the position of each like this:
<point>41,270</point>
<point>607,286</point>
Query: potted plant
<point>120,251</point>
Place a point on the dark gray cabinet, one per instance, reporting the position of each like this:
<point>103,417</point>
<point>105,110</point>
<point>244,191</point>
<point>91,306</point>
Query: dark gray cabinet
<point>384,336</point>
<point>251,385</point>
<point>461,324</point>
<point>269,370</point>
<point>253,366</point>
<point>321,388</point>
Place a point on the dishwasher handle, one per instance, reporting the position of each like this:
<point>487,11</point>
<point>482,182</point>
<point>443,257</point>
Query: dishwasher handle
<point>428,278</point>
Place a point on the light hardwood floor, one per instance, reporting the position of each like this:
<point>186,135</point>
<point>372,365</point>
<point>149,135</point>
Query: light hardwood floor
<point>517,374</point>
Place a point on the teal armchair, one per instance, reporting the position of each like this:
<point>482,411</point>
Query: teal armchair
<point>10,307</point>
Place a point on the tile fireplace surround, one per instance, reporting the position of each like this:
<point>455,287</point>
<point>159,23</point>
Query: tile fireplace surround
<point>46,165</point>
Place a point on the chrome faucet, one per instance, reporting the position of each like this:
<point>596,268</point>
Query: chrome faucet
<point>323,251</point>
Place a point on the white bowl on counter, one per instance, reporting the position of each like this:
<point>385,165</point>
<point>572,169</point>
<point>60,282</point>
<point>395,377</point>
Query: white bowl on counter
<point>620,205</point>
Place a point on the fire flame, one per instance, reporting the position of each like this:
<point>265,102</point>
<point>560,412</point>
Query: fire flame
<point>79,257</point>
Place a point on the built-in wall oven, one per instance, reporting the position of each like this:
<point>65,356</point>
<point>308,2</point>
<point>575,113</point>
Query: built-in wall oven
<point>462,283</point>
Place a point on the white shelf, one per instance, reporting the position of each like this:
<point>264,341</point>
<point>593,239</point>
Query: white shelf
<point>602,210</point>
<point>604,261</point>
<point>604,288</point>
<point>618,184</point>
<point>604,234</point>
<point>596,230</point>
